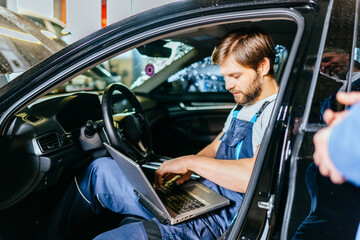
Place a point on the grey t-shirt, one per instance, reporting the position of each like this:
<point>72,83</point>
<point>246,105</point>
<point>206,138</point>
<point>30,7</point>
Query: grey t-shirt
<point>247,113</point>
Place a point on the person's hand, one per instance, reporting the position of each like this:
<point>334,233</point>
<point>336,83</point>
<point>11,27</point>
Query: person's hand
<point>322,157</point>
<point>349,98</point>
<point>170,168</point>
<point>332,118</point>
<point>321,139</point>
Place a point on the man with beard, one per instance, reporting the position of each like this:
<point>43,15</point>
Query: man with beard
<point>335,63</point>
<point>246,59</point>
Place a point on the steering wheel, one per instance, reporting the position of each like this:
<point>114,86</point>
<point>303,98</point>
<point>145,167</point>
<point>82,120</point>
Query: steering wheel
<point>129,131</point>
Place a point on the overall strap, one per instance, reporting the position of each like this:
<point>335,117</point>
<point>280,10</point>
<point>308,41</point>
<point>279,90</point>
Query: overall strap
<point>257,115</point>
<point>237,110</point>
<point>253,120</point>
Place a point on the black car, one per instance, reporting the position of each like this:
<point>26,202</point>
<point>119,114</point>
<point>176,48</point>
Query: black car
<point>52,124</point>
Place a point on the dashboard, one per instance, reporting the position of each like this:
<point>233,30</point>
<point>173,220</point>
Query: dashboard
<point>46,138</point>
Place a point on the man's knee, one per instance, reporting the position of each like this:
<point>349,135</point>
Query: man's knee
<point>102,165</point>
<point>98,171</point>
<point>99,168</point>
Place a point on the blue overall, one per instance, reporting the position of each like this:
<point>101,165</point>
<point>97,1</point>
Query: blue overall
<point>103,185</point>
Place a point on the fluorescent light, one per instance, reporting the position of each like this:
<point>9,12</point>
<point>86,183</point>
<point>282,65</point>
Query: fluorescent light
<point>18,35</point>
<point>49,34</point>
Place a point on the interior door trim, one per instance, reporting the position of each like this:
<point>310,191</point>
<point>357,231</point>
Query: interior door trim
<point>198,106</point>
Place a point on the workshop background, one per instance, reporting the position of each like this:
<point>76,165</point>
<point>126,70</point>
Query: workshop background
<point>83,17</point>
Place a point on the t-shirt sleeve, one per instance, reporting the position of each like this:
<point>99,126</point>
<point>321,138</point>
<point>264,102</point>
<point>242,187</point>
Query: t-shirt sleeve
<point>344,145</point>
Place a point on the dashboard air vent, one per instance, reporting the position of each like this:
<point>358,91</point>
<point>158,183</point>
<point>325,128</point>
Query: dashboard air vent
<point>49,142</point>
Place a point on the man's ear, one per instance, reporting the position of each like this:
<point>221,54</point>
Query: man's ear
<point>264,67</point>
<point>347,56</point>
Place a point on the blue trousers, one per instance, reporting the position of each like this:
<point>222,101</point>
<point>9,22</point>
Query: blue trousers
<point>103,185</point>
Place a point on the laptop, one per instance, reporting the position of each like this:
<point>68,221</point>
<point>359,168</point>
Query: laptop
<point>168,209</point>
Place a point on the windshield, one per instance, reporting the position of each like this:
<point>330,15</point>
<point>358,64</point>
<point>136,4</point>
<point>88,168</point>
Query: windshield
<point>131,68</point>
<point>161,61</point>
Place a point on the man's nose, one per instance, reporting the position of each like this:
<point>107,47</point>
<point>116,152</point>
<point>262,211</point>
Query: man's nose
<point>229,83</point>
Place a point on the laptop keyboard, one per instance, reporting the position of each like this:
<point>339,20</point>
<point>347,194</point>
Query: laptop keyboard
<point>177,199</point>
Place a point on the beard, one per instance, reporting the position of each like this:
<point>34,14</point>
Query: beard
<point>252,92</point>
<point>336,70</point>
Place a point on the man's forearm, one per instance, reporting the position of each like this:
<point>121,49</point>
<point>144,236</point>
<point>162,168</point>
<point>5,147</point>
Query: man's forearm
<point>230,174</point>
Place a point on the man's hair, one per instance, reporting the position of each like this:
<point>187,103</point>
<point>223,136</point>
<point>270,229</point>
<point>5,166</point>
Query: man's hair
<point>334,50</point>
<point>249,46</point>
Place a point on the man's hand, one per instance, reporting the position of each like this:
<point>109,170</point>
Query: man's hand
<point>170,168</point>
<point>321,139</point>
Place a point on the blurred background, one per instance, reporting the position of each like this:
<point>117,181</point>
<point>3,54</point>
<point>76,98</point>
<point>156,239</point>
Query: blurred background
<point>31,30</point>
<point>79,17</point>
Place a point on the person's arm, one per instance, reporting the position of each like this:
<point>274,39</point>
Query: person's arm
<point>344,146</point>
<point>161,177</point>
<point>231,174</point>
<point>344,142</point>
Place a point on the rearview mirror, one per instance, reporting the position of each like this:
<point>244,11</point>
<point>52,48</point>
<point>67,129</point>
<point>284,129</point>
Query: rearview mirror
<point>155,49</point>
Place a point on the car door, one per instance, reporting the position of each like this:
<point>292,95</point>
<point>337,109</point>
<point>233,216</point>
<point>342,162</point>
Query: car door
<point>295,201</point>
<point>262,213</point>
<point>339,202</point>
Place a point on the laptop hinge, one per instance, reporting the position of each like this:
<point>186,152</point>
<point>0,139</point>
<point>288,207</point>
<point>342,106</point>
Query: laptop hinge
<point>269,205</point>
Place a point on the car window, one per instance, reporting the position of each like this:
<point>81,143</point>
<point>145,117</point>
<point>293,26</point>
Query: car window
<point>335,72</point>
<point>149,64</point>
<point>355,79</point>
<point>131,68</point>
<point>95,79</point>
<point>202,76</point>
<point>135,67</point>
